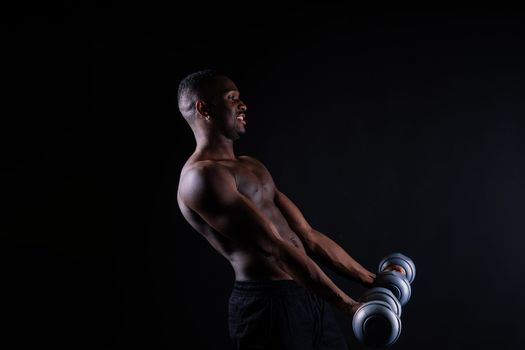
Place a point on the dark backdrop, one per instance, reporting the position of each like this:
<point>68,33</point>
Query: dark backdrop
<point>392,131</point>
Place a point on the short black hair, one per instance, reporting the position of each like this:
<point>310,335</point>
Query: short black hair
<point>189,88</point>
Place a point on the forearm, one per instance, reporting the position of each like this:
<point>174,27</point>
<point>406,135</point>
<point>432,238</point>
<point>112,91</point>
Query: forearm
<point>329,253</point>
<point>308,274</point>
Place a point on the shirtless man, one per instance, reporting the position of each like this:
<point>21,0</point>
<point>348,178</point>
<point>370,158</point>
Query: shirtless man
<point>280,293</point>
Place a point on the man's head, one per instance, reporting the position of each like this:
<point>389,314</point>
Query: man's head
<point>210,102</point>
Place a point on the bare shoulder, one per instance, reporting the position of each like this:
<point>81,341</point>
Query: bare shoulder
<point>202,171</point>
<point>202,179</point>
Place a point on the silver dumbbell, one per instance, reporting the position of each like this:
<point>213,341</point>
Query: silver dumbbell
<point>376,323</point>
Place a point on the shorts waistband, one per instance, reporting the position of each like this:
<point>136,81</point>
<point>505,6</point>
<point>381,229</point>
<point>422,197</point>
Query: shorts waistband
<point>279,287</point>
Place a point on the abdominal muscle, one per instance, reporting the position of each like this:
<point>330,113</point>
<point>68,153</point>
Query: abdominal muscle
<point>248,263</point>
<point>254,266</point>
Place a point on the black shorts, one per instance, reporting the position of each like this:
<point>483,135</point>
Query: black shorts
<point>281,315</point>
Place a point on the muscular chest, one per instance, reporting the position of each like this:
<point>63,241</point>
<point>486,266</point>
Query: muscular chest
<point>254,184</point>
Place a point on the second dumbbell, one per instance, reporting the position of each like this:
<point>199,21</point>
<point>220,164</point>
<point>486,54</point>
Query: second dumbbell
<point>376,323</point>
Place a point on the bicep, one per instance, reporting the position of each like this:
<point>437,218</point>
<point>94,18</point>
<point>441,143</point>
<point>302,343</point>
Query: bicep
<point>213,195</point>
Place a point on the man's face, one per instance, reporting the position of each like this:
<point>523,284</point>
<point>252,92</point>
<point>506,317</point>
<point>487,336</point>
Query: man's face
<point>226,109</point>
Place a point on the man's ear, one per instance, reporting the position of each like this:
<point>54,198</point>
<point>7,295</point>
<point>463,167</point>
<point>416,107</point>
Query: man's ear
<point>202,108</point>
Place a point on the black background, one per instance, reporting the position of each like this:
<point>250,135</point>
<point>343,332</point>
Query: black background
<point>392,131</point>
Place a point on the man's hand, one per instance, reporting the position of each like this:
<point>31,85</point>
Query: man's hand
<point>396,268</point>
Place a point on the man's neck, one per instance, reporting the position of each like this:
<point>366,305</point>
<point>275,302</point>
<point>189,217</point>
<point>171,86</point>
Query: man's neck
<point>216,150</point>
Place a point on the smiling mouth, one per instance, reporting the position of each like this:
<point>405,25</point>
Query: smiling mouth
<point>241,117</point>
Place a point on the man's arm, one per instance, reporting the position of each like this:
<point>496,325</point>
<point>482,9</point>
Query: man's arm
<point>211,192</point>
<point>319,246</point>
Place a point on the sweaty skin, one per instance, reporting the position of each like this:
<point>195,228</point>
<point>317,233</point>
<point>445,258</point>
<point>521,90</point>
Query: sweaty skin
<point>234,203</point>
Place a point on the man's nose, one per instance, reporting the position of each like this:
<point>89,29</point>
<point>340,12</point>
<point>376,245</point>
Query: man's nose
<point>242,107</point>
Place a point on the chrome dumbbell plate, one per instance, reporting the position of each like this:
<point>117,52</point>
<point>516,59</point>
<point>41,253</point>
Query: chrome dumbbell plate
<point>397,284</point>
<point>380,293</point>
<point>376,325</point>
